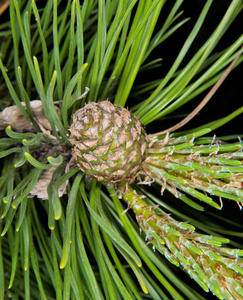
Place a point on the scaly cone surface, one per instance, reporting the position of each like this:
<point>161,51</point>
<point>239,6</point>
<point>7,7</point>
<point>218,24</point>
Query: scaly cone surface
<point>109,142</point>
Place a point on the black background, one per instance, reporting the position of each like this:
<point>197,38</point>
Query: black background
<point>229,96</point>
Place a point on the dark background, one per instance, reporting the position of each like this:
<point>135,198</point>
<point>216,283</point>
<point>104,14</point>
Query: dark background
<point>229,96</point>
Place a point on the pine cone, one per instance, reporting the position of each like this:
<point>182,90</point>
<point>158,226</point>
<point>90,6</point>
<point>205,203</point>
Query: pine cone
<point>109,142</point>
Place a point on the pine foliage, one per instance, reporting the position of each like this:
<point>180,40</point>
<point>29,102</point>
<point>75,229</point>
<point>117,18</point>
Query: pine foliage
<point>83,242</point>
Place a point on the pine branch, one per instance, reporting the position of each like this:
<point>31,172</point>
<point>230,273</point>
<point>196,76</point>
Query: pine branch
<point>215,268</point>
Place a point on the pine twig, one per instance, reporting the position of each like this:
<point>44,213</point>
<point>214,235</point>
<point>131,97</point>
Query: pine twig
<point>215,268</point>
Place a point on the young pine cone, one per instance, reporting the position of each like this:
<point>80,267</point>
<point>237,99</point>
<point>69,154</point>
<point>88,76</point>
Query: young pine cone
<point>109,142</point>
